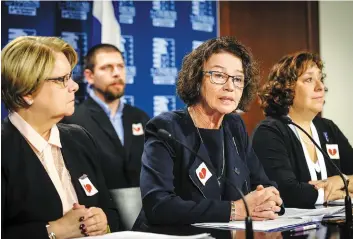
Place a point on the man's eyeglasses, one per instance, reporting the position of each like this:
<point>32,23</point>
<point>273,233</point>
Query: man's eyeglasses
<point>62,79</point>
<point>220,78</point>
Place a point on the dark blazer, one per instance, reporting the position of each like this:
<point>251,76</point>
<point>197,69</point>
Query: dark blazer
<point>29,199</point>
<point>172,193</point>
<point>121,164</point>
<point>282,156</point>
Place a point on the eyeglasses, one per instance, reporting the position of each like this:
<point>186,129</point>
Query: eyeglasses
<point>62,79</point>
<point>220,78</point>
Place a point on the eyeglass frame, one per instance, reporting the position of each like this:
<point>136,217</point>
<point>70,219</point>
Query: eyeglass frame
<point>228,76</point>
<point>61,79</point>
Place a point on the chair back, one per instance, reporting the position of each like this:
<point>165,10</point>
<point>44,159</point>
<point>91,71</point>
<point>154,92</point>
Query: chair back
<point>128,202</point>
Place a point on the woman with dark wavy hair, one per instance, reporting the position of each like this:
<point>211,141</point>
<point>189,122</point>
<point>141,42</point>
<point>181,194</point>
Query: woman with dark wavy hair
<point>295,88</point>
<point>179,188</point>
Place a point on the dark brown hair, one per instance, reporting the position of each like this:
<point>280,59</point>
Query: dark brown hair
<point>277,94</point>
<point>190,76</point>
<point>90,58</point>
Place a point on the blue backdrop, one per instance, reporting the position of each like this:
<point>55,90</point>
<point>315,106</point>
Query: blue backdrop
<point>155,37</point>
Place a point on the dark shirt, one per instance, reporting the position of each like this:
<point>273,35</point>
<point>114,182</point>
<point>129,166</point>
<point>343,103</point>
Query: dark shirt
<point>213,140</point>
<point>214,143</point>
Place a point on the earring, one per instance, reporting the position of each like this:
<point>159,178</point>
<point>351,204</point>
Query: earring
<point>29,102</point>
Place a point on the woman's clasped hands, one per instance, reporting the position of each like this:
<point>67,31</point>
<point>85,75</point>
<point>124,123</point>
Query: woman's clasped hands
<point>80,221</point>
<point>264,203</point>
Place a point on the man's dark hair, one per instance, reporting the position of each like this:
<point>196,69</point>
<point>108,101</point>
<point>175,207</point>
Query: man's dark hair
<point>90,59</point>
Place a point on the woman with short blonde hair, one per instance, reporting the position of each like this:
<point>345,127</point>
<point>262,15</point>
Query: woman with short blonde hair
<point>52,185</point>
<point>29,61</point>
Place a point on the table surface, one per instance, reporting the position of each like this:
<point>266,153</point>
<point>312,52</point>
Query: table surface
<point>329,231</point>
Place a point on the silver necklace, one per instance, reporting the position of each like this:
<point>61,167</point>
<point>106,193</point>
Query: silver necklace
<point>223,158</point>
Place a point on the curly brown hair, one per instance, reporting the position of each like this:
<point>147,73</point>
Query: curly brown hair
<point>190,76</point>
<point>278,92</point>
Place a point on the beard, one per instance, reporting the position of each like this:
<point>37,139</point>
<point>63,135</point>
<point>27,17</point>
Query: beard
<point>110,95</point>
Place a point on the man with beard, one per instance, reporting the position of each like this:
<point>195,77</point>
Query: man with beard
<point>117,128</point>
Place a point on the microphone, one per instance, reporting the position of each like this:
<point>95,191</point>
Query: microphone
<point>165,135</point>
<point>347,200</point>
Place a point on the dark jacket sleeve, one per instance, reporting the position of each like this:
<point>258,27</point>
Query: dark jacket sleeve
<point>132,163</point>
<point>161,204</point>
<point>271,148</point>
<point>345,150</point>
<point>36,229</point>
<point>105,199</point>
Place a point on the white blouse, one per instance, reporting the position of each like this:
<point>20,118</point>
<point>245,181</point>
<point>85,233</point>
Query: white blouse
<point>49,154</point>
<point>319,166</point>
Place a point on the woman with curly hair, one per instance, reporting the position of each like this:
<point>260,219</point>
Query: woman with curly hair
<point>295,88</point>
<point>179,188</point>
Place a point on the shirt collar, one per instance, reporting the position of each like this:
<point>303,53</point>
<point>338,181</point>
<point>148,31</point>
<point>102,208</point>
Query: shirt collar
<point>35,139</point>
<point>103,105</point>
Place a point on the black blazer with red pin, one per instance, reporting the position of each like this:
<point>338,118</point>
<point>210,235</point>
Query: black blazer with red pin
<point>29,199</point>
<point>121,164</point>
<point>282,156</point>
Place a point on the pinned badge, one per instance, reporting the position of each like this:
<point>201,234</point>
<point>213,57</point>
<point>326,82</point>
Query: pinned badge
<point>137,129</point>
<point>203,173</point>
<point>87,186</point>
<point>332,150</point>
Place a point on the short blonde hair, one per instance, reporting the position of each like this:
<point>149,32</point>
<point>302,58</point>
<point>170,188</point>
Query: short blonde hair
<point>26,62</point>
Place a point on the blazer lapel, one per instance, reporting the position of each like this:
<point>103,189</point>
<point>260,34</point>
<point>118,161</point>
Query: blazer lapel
<point>301,165</point>
<point>46,183</point>
<point>102,120</point>
<point>75,167</point>
<point>236,168</point>
<point>331,170</point>
<point>127,125</point>
<point>211,188</point>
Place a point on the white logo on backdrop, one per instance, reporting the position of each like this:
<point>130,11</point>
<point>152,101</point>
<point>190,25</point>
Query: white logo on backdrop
<point>74,10</point>
<point>164,71</point>
<point>163,14</point>
<point>163,103</point>
<point>26,8</point>
<point>129,99</point>
<point>16,32</point>
<point>196,44</point>
<point>78,40</point>
<point>127,12</point>
<point>201,16</point>
<point>127,47</point>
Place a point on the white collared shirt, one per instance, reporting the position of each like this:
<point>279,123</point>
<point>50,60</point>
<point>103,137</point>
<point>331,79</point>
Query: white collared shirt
<point>49,153</point>
<point>319,166</point>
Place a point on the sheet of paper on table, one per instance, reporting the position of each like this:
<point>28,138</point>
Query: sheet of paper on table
<point>131,234</point>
